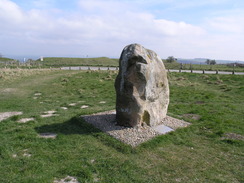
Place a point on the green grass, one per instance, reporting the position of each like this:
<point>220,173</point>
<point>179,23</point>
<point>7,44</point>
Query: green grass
<point>3,59</point>
<point>219,67</point>
<point>58,62</point>
<point>7,61</point>
<point>194,154</point>
<point>62,61</point>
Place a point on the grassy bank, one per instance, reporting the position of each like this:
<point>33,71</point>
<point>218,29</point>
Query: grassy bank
<point>219,67</point>
<point>62,61</point>
<point>7,61</point>
<point>105,62</point>
<point>207,151</point>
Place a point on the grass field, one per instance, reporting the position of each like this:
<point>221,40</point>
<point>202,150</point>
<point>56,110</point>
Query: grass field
<point>106,62</point>
<point>5,61</point>
<point>62,61</point>
<point>210,150</point>
<point>219,67</point>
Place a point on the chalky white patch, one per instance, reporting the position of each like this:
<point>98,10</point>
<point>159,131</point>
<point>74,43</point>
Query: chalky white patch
<point>6,115</point>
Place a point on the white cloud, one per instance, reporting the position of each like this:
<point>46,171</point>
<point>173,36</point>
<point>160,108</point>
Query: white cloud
<point>177,28</point>
<point>104,6</point>
<point>10,12</point>
<point>43,3</point>
<point>229,24</point>
<point>103,28</point>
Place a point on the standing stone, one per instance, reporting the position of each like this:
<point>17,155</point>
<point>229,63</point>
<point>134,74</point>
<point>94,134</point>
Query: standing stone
<point>142,90</point>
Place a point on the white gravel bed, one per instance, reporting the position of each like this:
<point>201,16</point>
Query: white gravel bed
<point>174,123</point>
<point>106,121</point>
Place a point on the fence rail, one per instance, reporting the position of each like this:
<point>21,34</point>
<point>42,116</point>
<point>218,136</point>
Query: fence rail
<point>169,70</point>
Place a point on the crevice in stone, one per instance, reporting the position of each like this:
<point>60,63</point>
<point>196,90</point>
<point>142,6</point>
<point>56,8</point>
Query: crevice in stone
<point>146,118</point>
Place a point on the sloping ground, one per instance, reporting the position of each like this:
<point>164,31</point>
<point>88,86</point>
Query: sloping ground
<point>62,61</point>
<point>65,147</point>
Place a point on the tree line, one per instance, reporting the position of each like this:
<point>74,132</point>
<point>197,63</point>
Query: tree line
<point>172,59</point>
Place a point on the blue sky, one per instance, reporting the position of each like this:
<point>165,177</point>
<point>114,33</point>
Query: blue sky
<point>182,28</point>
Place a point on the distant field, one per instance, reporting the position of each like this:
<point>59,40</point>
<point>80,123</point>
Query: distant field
<point>219,67</point>
<point>3,60</point>
<point>8,62</point>
<point>104,62</point>
<point>209,150</point>
<point>62,61</point>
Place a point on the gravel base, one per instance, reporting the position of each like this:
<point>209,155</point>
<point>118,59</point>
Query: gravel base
<point>106,121</point>
<point>174,123</point>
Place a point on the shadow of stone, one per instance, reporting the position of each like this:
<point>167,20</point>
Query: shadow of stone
<point>77,125</point>
<point>105,122</point>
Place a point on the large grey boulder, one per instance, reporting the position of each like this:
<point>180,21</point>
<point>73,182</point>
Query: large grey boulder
<point>142,90</point>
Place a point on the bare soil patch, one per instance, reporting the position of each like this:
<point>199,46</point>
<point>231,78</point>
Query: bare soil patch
<point>38,94</point>
<point>49,114</point>
<point>67,179</point>
<point>84,106</point>
<point>64,108</point>
<point>233,136</point>
<point>6,115</point>
<point>25,120</point>
<point>8,90</point>
<point>23,153</point>
<point>48,135</point>
<point>72,104</point>
<point>192,116</point>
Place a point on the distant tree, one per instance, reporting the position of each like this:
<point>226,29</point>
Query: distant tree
<point>171,59</point>
<point>212,62</point>
<point>208,61</point>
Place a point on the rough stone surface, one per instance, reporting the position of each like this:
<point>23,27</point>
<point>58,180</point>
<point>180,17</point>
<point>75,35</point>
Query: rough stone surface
<point>162,129</point>
<point>142,91</point>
